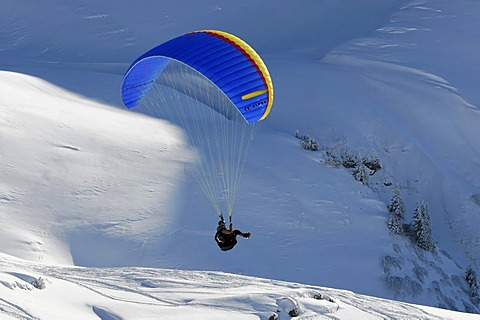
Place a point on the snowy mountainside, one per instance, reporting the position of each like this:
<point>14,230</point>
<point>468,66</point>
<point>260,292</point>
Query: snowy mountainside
<point>86,183</point>
<point>432,70</point>
<point>415,109</point>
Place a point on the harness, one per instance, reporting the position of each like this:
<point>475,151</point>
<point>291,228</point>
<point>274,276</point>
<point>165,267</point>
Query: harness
<point>224,241</point>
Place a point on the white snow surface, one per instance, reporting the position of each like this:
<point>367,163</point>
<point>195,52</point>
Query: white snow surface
<point>154,293</point>
<point>96,200</point>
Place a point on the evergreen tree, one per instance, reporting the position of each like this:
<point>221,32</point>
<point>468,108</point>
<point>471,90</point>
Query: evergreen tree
<point>360,173</point>
<point>397,213</point>
<point>423,227</point>
<point>298,135</point>
<point>310,144</point>
<point>471,278</point>
<point>395,225</point>
<point>396,206</point>
<point>307,142</point>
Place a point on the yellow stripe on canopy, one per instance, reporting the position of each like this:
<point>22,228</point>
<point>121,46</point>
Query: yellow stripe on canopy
<point>253,94</point>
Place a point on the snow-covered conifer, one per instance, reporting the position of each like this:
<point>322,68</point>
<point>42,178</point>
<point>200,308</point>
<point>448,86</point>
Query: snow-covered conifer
<point>395,225</point>
<point>471,277</point>
<point>311,144</point>
<point>423,227</point>
<point>298,134</point>
<point>360,173</point>
<point>396,206</point>
<point>397,213</point>
<point>307,142</point>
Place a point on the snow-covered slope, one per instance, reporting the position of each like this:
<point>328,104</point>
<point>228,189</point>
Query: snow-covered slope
<point>85,182</point>
<point>61,159</point>
<point>33,291</point>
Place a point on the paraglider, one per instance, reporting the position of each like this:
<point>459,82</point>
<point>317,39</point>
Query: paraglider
<point>217,88</point>
<point>225,238</point>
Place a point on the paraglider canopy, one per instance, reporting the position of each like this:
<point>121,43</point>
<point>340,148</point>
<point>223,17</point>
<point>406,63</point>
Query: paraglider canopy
<point>204,81</point>
<point>230,63</point>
